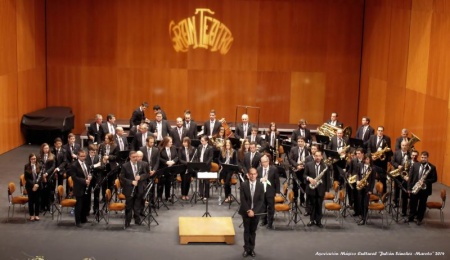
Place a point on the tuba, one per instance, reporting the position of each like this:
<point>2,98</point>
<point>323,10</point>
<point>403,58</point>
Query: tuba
<point>414,139</point>
<point>330,131</point>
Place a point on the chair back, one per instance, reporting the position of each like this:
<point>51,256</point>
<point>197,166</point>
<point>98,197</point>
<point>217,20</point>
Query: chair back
<point>379,187</point>
<point>108,195</point>
<point>70,181</point>
<point>60,192</point>
<point>336,186</point>
<point>22,180</point>
<point>11,188</point>
<point>118,185</point>
<point>291,196</point>
<point>443,195</point>
<point>341,196</point>
<point>214,167</point>
<point>285,188</point>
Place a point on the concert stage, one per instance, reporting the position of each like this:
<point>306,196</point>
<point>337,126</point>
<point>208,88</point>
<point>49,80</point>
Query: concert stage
<point>206,230</point>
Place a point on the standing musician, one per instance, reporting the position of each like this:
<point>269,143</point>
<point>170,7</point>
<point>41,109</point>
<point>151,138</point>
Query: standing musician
<point>251,159</point>
<point>365,131</point>
<point>424,175</point>
<point>109,127</point>
<point>81,180</point>
<point>160,127</point>
<point>95,130</point>
<point>301,131</point>
<point>401,161</point>
<point>366,174</point>
<point>211,127</point>
<point>312,171</point>
<point>132,177</point>
<point>354,170</point>
<point>243,129</point>
<point>190,125</point>
<point>140,137</point>
<point>158,109</point>
<point>168,157</point>
<point>334,120</point>
<point>186,154</point>
<point>138,116</point>
<point>339,143</point>
<point>268,175</point>
<point>272,135</point>
<point>255,137</point>
<point>60,160</point>
<point>377,143</point>
<point>71,149</point>
<point>309,158</point>
<point>297,157</point>
<point>33,185</point>
<point>227,156</point>
<point>243,150</point>
<point>109,152</point>
<point>205,155</point>
<point>252,203</point>
<point>178,133</point>
<point>151,154</point>
<point>92,160</point>
<point>120,139</point>
<point>47,160</point>
<point>403,137</point>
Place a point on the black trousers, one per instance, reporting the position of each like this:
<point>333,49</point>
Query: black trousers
<point>133,208</point>
<point>82,208</point>
<point>418,205</point>
<point>316,208</point>
<point>363,201</point>
<point>269,205</point>
<point>185,183</point>
<point>226,177</point>
<point>164,183</point>
<point>250,226</point>
<point>34,202</point>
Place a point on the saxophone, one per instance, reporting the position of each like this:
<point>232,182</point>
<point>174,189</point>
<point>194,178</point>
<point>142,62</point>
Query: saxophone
<point>318,179</point>
<point>363,182</point>
<point>380,154</point>
<point>421,185</point>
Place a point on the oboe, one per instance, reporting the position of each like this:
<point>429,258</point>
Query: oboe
<point>134,187</point>
<point>89,178</point>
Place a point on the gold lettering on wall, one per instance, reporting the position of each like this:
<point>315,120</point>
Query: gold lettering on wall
<point>201,31</point>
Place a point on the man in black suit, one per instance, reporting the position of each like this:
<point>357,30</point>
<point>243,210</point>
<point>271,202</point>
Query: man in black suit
<point>376,143</point>
<point>313,171</point>
<point>140,137</point>
<point>93,165</point>
<point>120,139</point>
<point>400,160</point>
<point>354,169</point>
<point>132,177</point>
<point>252,203</point>
<point>204,154</point>
<point>138,115</point>
<point>367,171</point>
<point>160,127</point>
<point>81,180</point>
<point>110,125</point>
<point>251,159</point>
<point>60,160</point>
<point>339,143</point>
<point>190,125</point>
<point>365,131</point>
<point>425,171</point>
<point>243,129</point>
<point>255,137</point>
<point>95,130</point>
<point>268,175</point>
<point>297,156</point>
<point>178,133</point>
<point>334,121</point>
<point>151,154</point>
<point>212,126</point>
<point>158,109</point>
<point>403,137</point>
<point>301,131</point>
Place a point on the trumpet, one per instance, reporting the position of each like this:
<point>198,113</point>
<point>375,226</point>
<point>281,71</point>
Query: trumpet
<point>380,154</point>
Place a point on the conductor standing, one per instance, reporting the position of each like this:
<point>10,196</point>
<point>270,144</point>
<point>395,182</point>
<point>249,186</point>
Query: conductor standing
<point>252,202</point>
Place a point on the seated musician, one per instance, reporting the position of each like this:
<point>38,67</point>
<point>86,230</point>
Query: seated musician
<point>272,135</point>
<point>255,137</point>
<point>227,156</point>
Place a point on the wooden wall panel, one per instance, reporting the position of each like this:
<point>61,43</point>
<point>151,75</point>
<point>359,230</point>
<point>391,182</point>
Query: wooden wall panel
<point>303,104</point>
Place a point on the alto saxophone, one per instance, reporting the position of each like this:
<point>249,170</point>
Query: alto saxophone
<point>318,179</point>
<point>420,185</point>
<point>380,154</point>
<point>363,182</point>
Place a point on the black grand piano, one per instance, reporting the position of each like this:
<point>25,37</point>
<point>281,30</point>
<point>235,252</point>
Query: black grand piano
<point>46,124</point>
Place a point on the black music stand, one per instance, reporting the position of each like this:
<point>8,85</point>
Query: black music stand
<point>99,214</point>
<point>173,172</point>
<point>356,143</point>
<point>234,169</point>
<point>391,206</point>
<point>158,174</point>
<point>235,142</point>
<point>123,156</point>
<point>206,214</point>
<point>149,218</point>
<point>322,139</point>
<point>197,167</point>
<point>195,142</point>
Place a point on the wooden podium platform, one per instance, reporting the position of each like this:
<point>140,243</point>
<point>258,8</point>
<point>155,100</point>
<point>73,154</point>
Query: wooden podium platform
<point>206,230</point>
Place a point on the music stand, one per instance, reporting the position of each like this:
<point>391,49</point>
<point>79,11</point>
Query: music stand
<point>149,218</point>
<point>197,167</point>
<point>207,176</point>
<point>195,142</point>
<point>158,174</point>
<point>231,168</point>
<point>173,171</point>
<point>123,156</point>
<point>332,154</point>
<point>323,139</point>
<point>356,143</point>
<point>235,142</point>
<point>99,214</point>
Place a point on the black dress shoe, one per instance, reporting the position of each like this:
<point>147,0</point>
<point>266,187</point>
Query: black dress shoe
<point>419,222</point>
<point>356,215</point>
<point>311,223</point>
<point>138,223</point>
<point>306,214</point>
<point>127,224</point>
<point>263,224</point>
<point>78,225</point>
<point>245,254</point>
<point>302,204</point>
<point>252,253</point>
<point>362,222</point>
<point>269,227</point>
<point>319,225</point>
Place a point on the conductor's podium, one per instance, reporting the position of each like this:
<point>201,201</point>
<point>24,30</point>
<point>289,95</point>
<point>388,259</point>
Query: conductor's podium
<point>206,230</point>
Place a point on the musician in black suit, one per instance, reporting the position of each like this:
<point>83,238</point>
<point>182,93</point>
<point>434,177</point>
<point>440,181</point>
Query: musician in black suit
<point>140,137</point>
<point>339,143</point>
<point>334,121</point>
<point>72,150</point>
<point>268,175</point>
<point>120,139</point>
<point>297,156</point>
<point>190,125</point>
<point>151,154</point>
<point>133,176</point>
<point>272,135</point>
<point>243,129</point>
<point>168,156</point>
<point>400,139</point>
<point>158,109</point>
<point>160,127</point>
<point>211,127</point>
<point>400,161</point>
<point>81,180</point>
<point>47,160</point>
<point>309,158</point>
<point>423,173</point>
<point>186,155</point>
<point>301,131</point>
<point>178,133</point>
<point>60,160</point>
<point>109,127</point>
<point>227,156</point>
<point>255,137</point>
<point>376,143</point>
<point>95,130</point>
<point>366,171</point>
<point>93,164</point>
<point>252,204</point>
<point>138,115</point>
<point>204,154</point>
<point>33,186</point>
<point>354,169</point>
<point>312,171</point>
<point>251,158</point>
<point>365,131</point>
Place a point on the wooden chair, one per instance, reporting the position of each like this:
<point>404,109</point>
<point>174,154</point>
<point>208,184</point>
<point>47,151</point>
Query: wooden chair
<point>22,182</point>
<point>439,205</point>
<point>12,200</point>
<point>119,195</point>
<point>380,207</point>
<point>379,192</point>
<point>286,207</point>
<point>63,203</point>
<point>114,206</point>
<point>336,207</point>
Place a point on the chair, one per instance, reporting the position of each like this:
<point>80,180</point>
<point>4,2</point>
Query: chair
<point>379,207</point>
<point>331,196</point>
<point>119,195</point>
<point>63,203</point>
<point>114,206</point>
<point>336,207</point>
<point>70,181</point>
<point>379,192</point>
<point>283,207</point>
<point>12,201</point>
<point>438,205</point>
<point>22,182</point>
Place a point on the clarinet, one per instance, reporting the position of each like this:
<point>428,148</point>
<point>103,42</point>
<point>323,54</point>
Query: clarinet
<point>134,187</point>
<point>89,178</point>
